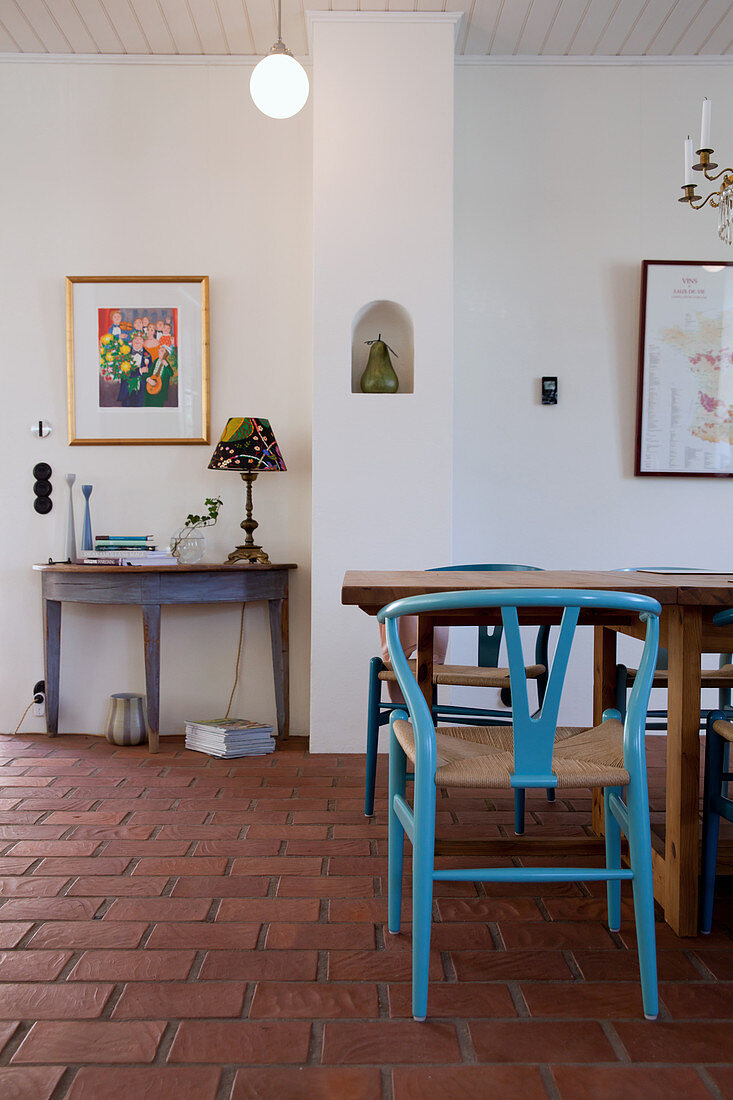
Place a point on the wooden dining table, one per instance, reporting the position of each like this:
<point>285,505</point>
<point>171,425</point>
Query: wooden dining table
<point>689,601</point>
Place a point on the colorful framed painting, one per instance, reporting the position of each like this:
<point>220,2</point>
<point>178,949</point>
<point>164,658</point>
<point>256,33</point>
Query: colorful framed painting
<point>685,397</point>
<point>137,355</point>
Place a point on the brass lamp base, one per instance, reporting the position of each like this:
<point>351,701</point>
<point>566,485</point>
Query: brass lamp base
<point>249,554</point>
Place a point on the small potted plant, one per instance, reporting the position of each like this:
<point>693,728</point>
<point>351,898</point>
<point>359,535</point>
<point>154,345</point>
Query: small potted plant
<point>188,543</point>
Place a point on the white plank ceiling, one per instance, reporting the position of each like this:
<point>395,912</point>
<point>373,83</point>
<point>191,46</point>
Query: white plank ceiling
<point>496,28</point>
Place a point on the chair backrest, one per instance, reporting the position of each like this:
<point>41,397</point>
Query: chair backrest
<point>489,641</point>
<point>534,735</point>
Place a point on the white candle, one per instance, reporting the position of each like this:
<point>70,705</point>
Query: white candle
<point>705,125</point>
<point>689,178</point>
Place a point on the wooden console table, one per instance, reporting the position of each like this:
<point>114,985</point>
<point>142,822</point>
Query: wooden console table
<point>149,587</point>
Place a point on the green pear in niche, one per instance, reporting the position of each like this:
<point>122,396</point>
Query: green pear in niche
<point>379,374</point>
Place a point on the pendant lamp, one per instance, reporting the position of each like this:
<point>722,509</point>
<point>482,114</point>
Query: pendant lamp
<point>279,83</point>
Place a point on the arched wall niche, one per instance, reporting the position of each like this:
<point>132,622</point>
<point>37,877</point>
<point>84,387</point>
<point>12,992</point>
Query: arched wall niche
<point>395,324</point>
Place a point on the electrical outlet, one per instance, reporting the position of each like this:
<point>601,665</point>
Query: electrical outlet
<point>39,698</point>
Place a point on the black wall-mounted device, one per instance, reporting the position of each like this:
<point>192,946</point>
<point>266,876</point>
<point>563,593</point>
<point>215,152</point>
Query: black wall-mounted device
<point>42,488</point>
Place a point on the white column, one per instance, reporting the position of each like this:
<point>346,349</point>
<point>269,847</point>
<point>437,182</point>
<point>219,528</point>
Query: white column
<point>383,231</point>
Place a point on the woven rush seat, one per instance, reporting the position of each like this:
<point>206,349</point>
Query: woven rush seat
<point>709,677</point>
<point>724,729</point>
<point>472,675</point>
<point>482,756</point>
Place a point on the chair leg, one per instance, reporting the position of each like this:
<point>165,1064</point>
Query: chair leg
<point>714,757</point>
<point>613,859</point>
<point>396,834</point>
<point>423,860</point>
<point>640,854</point>
<point>550,792</point>
<point>372,741</point>
<point>519,803</point>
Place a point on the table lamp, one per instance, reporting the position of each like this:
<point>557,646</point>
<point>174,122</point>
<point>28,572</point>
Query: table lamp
<point>247,445</point>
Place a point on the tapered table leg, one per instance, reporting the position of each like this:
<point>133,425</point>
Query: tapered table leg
<point>52,655</point>
<point>279,640</point>
<point>604,682</point>
<point>151,634</point>
<point>684,637</point>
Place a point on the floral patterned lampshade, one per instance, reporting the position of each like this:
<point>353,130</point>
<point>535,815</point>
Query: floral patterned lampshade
<point>247,444</point>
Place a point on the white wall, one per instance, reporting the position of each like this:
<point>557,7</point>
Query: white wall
<point>152,169</point>
<point>567,177</point>
<point>383,214</point>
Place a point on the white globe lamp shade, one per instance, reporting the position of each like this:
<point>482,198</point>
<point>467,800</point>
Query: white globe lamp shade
<point>279,85</point>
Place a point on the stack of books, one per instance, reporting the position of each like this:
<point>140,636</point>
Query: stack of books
<point>229,737</point>
<point>127,550</point>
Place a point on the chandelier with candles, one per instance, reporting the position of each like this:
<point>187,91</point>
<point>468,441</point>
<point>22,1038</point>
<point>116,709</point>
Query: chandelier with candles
<point>723,197</point>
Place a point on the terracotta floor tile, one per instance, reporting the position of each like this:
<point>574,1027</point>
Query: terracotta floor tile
<point>350,935</point>
<point>623,966</point>
<point>314,1000</point>
<point>158,909</point>
<point>12,933</point>
<point>220,886</point>
<point>117,886</point>
<point>488,909</point>
<point>584,1000</point>
<point>475,1000</point>
<point>629,1082</point>
<point>201,832</point>
<point>123,966</point>
<point>50,908</point>
<point>291,866</point>
<point>693,1001</point>
<point>81,934</point>
<point>659,1041</point>
<point>308,1083</point>
<point>289,966</point>
<point>468,1082</point>
<point>540,1041</point>
<point>7,1030</point>
<point>199,866</point>
<point>718,962</point>
<point>92,866</point>
<point>378,966</point>
<point>391,1042</point>
<point>297,886</point>
<point>29,1082</point>
<point>32,966</point>
<point>148,1083</point>
<point>268,909</point>
<point>177,1000</point>
<point>40,848</point>
<point>563,936</point>
<point>487,966</point>
<point>14,886</point>
<point>90,1041</point>
<point>241,1041</point>
<point>48,1001</point>
<point>284,832</point>
<point>204,936</point>
<point>146,848</point>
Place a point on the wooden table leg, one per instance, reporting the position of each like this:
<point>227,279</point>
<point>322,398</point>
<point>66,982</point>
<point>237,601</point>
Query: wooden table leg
<point>604,696</point>
<point>151,634</point>
<point>280,641</point>
<point>684,636</point>
<point>52,662</point>
<point>424,655</point>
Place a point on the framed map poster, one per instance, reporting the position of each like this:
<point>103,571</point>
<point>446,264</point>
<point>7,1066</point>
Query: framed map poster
<point>685,400</point>
<point>137,359</point>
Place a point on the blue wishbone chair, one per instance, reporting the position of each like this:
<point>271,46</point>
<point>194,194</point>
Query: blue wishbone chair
<point>535,753</point>
<point>715,800</point>
<point>486,673</point>
<point>720,678</point>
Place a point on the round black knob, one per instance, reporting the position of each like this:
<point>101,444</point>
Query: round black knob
<point>42,471</point>
<point>42,488</point>
<point>43,505</point>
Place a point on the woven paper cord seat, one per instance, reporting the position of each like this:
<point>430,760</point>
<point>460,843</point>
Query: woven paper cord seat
<point>709,677</point>
<point>482,756</point>
<point>471,675</point>
<point>724,729</point>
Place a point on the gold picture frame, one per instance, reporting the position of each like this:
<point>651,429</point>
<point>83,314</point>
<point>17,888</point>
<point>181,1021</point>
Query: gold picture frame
<point>137,359</point>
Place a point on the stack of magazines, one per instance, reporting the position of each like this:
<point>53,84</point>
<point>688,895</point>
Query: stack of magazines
<point>229,737</point>
<point>127,550</point>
